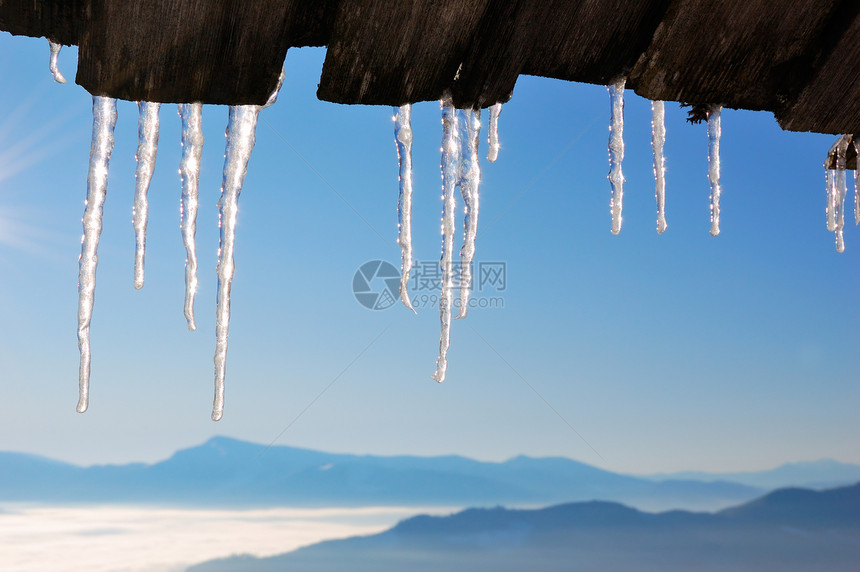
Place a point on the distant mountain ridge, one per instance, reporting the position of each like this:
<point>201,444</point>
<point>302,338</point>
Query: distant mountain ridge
<point>822,474</point>
<point>790,530</point>
<point>230,472</point>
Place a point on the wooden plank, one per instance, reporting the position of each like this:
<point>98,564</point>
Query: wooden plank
<point>227,52</point>
<point>830,101</point>
<point>396,52</point>
<point>738,53</point>
<point>60,21</point>
<point>590,41</point>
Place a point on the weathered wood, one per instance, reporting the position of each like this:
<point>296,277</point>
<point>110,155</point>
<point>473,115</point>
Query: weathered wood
<point>591,41</point>
<point>797,58</point>
<point>829,101</point>
<point>396,52</point>
<point>738,53</point>
<point>61,21</point>
<point>227,52</point>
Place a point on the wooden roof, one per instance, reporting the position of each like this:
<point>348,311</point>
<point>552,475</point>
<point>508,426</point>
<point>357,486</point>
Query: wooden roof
<point>799,59</point>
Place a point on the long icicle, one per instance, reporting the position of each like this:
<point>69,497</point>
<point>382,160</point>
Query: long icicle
<point>241,137</point>
<point>832,190</point>
<point>241,131</point>
<point>658,142</point>
<point>470,179</point>
<point>841,190</point>
<point>104,122</point>
<point>147,149</point>
<point>493,133</point>
<point>54,65</point>
<point>616,152</point>
<point>830,182</point>
<point>403,140</point>
<point>191,115</point>
<point>450,177</point>
<point>857,183</point>
<point>714,134</point>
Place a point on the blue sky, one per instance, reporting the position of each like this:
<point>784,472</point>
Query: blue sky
<point>671,352</point>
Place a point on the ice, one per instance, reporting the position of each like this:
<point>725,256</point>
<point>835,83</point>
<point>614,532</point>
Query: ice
<point>241,130</point>
<point>616,151</point>
<point>658,141</point>
<point>830,180</point>
<point>841,190</point>
<point>403,140</point>
<point>470,179</point>
<point>191,115</point>
<point>54,66</point>
<point>104,122</point>
<point>147,149</point>
<point>857,183</point>
<point>493,133</point>
<point>241,136</point>
<point>714,133</point>
<point>450,178</point>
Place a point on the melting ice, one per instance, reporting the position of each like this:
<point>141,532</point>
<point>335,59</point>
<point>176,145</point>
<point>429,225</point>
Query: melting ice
<point>857,184</point>
<point>837,190</point>
<point>147,149</point>
<point>616,151</point>
<point>450,178</point>
<point>104,122</point>
<point>493,133</point>
<point>403,140</point>
<point>191,115</point>
<point>714,134</point>
<point>241,129</point>
<point>54,66</point>
<point>658,141</point>
<point>470,178</point>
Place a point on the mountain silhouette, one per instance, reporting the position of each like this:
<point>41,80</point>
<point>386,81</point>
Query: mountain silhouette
<point>230,472</point>
<point>789,530</point>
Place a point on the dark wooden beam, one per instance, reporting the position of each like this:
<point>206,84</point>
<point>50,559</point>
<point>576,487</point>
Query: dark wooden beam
<point>227,52</point>
<point>61,21</point>
<point>738,53</point>
<point>591,41</point>
<point>797,58</point>
<point>829,100</point>
<point>396,52</point>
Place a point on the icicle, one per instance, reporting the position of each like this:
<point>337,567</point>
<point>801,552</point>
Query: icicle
<point>54,66</point>
<point>616,152</point>
<point>104,122</point>
<point>241,136</point>
<point>470,179</point>
<point>658,141</point>
<point>493,133</point>
<point>450,177</point>
<point>857,183</point>
<point>714,134</point>
<point>147,149</point>
<point>403,140</point>
<point>840,186</point>
<point>830,181</point>
<point>189,172</point>
<point>240,142</point>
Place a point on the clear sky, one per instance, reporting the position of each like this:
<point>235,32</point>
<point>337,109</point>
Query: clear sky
<point>671,352</point>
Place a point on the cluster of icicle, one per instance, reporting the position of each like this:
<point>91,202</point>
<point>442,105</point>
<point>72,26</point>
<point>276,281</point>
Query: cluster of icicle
<point>837,187</point>
<point>241,128</point>
<point>461,129</point>
<point>658,141</point>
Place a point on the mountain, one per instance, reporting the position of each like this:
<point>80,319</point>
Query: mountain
<point>228,472</point>
<point>810,474</point>
<point>789,530</point>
